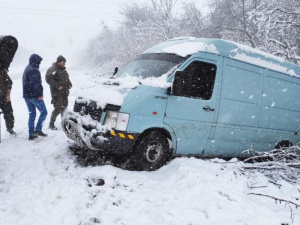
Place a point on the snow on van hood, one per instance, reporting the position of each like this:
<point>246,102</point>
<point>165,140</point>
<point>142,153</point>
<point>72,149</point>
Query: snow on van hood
<point>115,90</point>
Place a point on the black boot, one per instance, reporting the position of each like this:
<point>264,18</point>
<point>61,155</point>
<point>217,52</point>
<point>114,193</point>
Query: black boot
<point>32,137</point>
<point>11,131</point>
<point>40,133</point>
<point>52,127</point>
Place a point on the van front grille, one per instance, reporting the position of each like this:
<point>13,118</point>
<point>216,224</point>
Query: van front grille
<point>88,109</point>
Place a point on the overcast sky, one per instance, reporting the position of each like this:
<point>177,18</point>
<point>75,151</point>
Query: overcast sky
<point>53,27</point>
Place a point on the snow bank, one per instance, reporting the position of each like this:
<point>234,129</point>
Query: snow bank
<point>45,185</point>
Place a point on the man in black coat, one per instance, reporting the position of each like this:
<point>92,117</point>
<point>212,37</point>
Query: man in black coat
<point>58,79</point>
<point>5,103</point>
<point>8,48</point>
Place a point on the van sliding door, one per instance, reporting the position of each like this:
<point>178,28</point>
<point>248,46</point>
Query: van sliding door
<point>239,113</point>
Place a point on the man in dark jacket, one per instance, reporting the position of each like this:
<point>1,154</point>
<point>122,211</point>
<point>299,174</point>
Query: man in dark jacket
<point>58,79</point>
<point>33,95</point>
<point>8,48</point>
<point>5,103</point>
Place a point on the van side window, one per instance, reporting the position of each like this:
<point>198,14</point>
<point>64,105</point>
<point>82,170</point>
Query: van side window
<point>201,79</point>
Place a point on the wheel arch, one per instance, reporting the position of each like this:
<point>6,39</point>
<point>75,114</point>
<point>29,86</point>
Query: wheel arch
<point>149,130</point>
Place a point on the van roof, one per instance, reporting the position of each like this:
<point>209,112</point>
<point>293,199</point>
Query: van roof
<point>184,46</point>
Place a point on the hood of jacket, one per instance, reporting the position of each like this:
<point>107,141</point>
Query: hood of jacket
<point>35,60</point>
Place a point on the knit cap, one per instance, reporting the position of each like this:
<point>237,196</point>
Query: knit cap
<point>61,59</point>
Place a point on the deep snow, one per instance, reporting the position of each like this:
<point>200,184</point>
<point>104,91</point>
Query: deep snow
<point>41,183</point>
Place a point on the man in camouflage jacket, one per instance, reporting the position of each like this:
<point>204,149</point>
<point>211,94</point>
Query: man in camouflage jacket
<point>58,79</point>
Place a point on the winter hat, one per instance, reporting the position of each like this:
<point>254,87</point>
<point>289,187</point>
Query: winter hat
<point>60,59</point>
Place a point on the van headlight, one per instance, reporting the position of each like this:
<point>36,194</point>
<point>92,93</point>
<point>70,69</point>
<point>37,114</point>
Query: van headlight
<point>116,120</point>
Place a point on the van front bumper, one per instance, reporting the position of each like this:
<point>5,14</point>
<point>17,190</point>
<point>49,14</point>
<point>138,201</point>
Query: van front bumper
<point>91,137</point>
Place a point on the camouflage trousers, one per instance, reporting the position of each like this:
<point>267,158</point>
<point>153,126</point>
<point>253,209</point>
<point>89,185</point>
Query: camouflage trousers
<point>8,112</point>
<point>60,104</point>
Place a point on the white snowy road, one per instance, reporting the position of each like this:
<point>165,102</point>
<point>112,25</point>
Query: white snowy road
<point>41,183</point>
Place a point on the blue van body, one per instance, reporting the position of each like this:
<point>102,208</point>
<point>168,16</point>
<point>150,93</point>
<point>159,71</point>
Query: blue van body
<point>248,100</point>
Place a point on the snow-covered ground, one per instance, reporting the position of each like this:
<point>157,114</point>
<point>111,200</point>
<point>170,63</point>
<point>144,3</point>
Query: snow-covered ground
<point>41,183</point>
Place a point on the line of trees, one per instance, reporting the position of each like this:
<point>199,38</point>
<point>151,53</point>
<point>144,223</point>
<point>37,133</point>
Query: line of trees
<point>269,25</point>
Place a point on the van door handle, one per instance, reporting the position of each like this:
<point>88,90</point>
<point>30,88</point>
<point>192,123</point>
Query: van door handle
<point>207,108</point>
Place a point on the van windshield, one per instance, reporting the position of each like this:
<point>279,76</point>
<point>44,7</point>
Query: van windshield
<point>151,65</point>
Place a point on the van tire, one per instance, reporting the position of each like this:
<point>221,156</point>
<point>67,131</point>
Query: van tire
<point>151,152</point>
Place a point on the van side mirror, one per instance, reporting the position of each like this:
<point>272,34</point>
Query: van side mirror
<point>116,70</point>
<point>169,90</point>
<point>180,84</point>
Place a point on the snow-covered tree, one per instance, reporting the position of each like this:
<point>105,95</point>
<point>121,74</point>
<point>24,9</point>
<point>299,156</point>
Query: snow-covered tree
<point>193,23</point>
<point>270,25</point>
<point>154,21</point>
<point>278,26</point>
<point>101,48</point>
<point>143,26</point>
<point>230,18</point>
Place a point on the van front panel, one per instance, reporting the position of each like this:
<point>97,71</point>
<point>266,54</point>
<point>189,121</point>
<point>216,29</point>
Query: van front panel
<point>193,115</point>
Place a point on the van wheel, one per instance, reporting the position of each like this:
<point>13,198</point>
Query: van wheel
<point>283,143</point>
<point>151,152</point>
